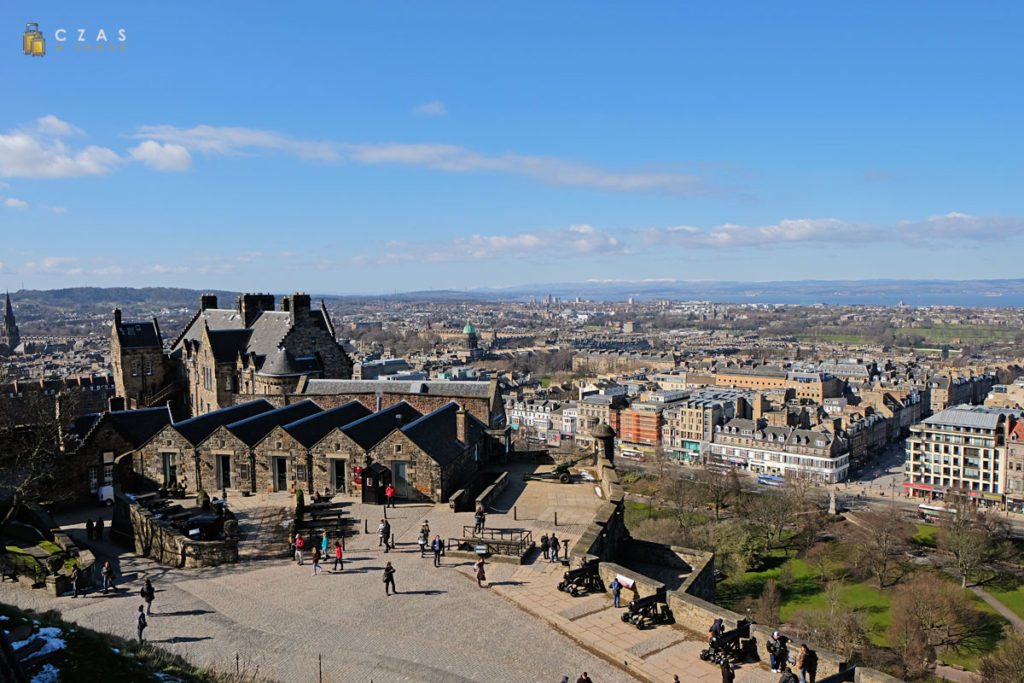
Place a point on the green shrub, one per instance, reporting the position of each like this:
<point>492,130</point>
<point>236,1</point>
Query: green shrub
<point>51,548</point>
<point>300,504</point>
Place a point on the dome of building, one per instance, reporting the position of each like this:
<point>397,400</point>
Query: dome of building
<point>468,329</point>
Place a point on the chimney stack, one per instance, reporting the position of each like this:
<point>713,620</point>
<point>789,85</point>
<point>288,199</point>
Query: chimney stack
<point>462,425</point>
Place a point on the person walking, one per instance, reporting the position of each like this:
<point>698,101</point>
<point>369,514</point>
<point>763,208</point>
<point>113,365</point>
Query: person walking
<point>424,537</point>
<point>384,535</point>
<point>338,561</point>
<point>788,676</point>
<point>584,678</point>
<point>480,575</point>
<point>316,559</point>
<point>675,679</point>
<point>140,621</point>
<point>99,529</point>
<point>616,588</point>
<point>480,516</point>
<point>389,492</point>
<point>545,545</point>
<point>299,545</point>
<point>728,675</point>
<point>107,573</point>
<point>148,594</point>
<point>89,532</point>
<point>389,579</point>
<point>554,548</point>
<point>437,545</point>
<point>291,546</point>
<point>76,575</point>
<point>325,543</point>
<point>807,664</point>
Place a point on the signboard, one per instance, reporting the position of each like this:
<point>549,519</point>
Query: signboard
<point>623,581</point>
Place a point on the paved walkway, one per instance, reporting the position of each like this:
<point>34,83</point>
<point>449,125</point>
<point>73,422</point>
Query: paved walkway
<point>278,618</point>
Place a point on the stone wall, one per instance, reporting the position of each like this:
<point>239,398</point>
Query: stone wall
<point>491,493</point>
<point>150,538</point>
<point>642,585</point>
<point>608,526</point>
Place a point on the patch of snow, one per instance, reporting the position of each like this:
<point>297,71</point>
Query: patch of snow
<point>48,674</point>
<point>287,523</point>
<point>115,650</point>
<point>52,642</point>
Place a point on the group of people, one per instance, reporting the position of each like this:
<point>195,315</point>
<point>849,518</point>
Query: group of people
<point>778,656</point>
<point>94,531</point>
<point>584,678</point>
<point>321,551</point>
<point>550,547</point>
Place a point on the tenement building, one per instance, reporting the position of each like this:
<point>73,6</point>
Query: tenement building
<point>225,356</point>
<point>818,454</point>
<point>961,452</point>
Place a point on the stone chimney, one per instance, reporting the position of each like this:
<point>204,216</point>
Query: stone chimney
<point>462,425</point>
<point>117,317</point>
<point>115,403</point>
<point>298,305</point>
<point>251,305</point>
<point>207,301</point>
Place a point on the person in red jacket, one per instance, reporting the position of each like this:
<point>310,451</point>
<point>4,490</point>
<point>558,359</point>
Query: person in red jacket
<point>390,493</point>
<point>299,545</point>
<point>337,557</point>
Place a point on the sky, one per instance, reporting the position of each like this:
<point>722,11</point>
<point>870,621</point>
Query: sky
<point>373,147</point>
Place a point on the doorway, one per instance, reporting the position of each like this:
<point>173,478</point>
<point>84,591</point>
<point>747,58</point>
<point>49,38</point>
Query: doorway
<point>170,470</point>
<point>338,475</point>
<point>224,471</point>
<point>280,474</point>
<point>398,474</point>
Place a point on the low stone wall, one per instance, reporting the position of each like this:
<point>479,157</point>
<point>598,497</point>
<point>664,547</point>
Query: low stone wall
<point>460,501</point>
<point>166,546</point>
<point>701,581</point>
<point>642,585</point>
<point>491,493</point>
<point>871,676</point>
<point>607,528</point>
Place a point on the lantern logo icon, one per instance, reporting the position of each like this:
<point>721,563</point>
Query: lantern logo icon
<point>32,42</point>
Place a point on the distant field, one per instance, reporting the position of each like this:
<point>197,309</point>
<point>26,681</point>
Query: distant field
<point>837,338</point>
<point>948,333</point>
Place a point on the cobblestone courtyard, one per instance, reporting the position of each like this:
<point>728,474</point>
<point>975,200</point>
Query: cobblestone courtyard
<point>279,618</point>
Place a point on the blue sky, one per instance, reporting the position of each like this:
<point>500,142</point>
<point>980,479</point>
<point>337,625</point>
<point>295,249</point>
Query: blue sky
<point>382,146</point>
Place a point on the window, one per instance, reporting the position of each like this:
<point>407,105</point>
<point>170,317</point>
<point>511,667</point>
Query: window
<point>108,475</point>
<point>398,448</point>
<point>300,473</point>
<point>94,477</point>
<point>149,367</point>
<point>135,368</point>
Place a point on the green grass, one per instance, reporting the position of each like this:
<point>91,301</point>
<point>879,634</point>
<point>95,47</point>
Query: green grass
<point>947,333</point>
<point>636,512</point>
<point>1012,598</point>
<point>925,535</point>
<point>837,338</point>
<point>988,642</point>
<point>51,548</point>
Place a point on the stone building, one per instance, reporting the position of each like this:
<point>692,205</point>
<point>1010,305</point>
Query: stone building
<point>1015,464</point>
<point>276,461</point>
<point>818,454</point>
<point>330,453</point>
<point>10,338</point>
<point>225,356</point>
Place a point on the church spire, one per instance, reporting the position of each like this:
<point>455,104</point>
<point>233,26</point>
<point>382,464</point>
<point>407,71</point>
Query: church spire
<point>9,337</point>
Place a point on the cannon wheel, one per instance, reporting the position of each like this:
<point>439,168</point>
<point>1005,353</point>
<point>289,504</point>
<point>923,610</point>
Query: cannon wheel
<point>564,478</point>
<point>561,585</point>
<point>574,590</point>
<point>625,617</point>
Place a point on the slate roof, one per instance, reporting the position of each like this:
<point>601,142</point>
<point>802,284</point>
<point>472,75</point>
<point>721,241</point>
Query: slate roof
<point>435,434</point>
<point>226,344</point>
<point>198,428</point>
<point>310,430</point>
<point>136,426</point>
<point>453,388</point>
<point>139,335</point>
<point>253,429</point>
<point>368,431</point>
<point>967,416</point>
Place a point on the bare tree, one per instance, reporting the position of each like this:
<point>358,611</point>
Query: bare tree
<point>882,538</point>
<point>769,604</point>
<point>820,556</point>
<point>770,513</point>
<point>974,538</point>
<point>1005,665</point>
<point>720,488</point>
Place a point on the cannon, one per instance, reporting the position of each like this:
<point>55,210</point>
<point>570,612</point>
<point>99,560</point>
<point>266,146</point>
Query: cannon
<point>653,609</point>
<point>725,647</point>
<point>560,472</point>
<point>585,578</point>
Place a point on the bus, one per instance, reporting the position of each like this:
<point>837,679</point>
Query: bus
<point>769,480</point>
<point>932,512</point>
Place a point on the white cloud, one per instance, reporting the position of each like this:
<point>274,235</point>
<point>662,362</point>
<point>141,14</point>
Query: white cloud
<point>237,141</point>
<point>162,157</point>
<point>12,203</point>
<point>38,152</point>
<point>58,209</point>
<point>550,170</point>
<point>433,108</point>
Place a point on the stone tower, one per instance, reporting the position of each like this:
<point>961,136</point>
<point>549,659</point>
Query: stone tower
<point>9,336</point>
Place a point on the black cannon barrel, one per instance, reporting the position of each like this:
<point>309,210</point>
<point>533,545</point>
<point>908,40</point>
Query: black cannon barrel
<point>589,569</point>
<point>741,631</point>
<point>844,675</point>
<point>641,603</point>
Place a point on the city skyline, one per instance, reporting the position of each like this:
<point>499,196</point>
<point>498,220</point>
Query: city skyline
<point>413,148</point>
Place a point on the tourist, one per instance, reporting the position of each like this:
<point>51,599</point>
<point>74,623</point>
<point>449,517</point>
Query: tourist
<point>728,676</point>
<point>479,517</point>
<point>99,529</point>
<point>338,563</point>
<point>438,547</point>
<point>424,537</point>
<point>140,620</point>
<point>788,676</point>
<point>148,593</point>
<point>324,544</point>
<point>776,652</point>
<point>616,588</point>
<point>389,492</point>
<point>89,533</point>
<point>389,579</point>
<point>107,573</point>
<point>299,545</point>
<point>384,535</point>
<point>717,628</point>
<point>554,548</point>
<point>480,575</point>
<point>807,664</point>
<point>316,559</point>
<point>76,575</point>
<point>316,497</point>
<point>545,545</point>
<point>291,546</point>
<point>584,678</point>
<point>675,679</point>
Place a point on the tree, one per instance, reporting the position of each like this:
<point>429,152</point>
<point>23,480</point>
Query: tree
<point>839,628</point>
<point>770,513</point>
<point>31,456</point>
<point>769,604</point>
<point>930,614</point>
<point>882,538</point>
<point>719,488</point>
<point>820,556</point>
<point>1005,665</point>
<point>974,538</point>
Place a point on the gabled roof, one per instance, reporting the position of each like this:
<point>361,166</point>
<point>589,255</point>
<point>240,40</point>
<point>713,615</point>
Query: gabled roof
<point>225,344</point>
<point>198,428</point>
<point>310,430</point>
<point>452,388</point>
<point>139,335</point>
<point>368,431</point>
<point>436,432</point>
<point>253,429</point>
<point>135,426</point>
